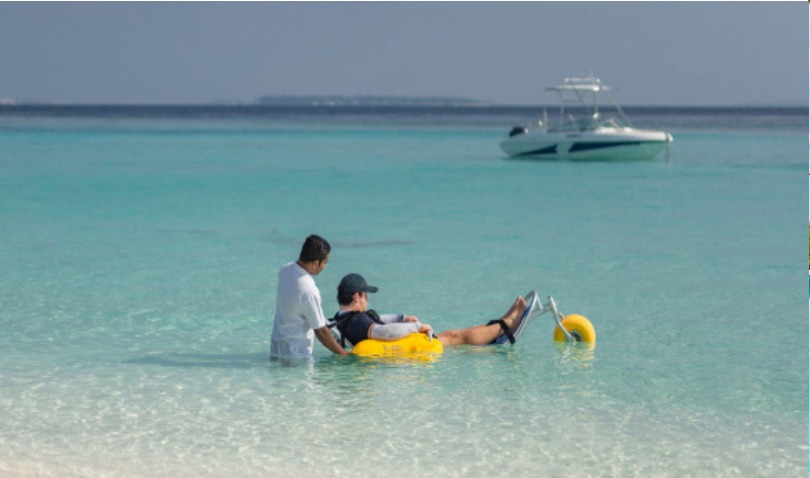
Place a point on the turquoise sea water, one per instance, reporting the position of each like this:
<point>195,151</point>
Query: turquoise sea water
<point>138,256</point>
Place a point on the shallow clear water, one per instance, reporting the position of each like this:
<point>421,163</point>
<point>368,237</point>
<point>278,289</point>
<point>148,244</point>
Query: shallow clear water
<point>139,255</point>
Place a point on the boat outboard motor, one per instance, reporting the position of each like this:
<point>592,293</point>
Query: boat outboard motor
<point>517,130</point>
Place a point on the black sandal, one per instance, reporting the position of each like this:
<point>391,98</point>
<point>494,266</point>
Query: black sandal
<point>505,328</point>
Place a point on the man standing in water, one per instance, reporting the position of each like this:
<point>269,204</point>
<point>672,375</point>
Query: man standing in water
<point>298,304</point>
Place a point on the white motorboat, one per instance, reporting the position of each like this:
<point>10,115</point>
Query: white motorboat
<point>583,132</point>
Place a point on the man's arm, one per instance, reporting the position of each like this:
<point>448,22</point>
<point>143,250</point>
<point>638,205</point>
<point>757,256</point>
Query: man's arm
<point>325,337</point>
<point>394,318</point>
<point>393,331</point>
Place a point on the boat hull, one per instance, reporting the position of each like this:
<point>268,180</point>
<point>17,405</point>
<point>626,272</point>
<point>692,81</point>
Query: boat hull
<point>626,144</point>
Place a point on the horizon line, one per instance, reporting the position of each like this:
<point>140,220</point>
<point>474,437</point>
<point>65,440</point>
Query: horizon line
<point>8,103</point>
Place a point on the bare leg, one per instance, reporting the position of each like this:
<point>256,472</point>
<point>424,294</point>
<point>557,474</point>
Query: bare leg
<point>484,334</point>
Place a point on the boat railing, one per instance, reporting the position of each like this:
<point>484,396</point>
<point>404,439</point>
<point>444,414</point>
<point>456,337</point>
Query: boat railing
<point>573,124</point>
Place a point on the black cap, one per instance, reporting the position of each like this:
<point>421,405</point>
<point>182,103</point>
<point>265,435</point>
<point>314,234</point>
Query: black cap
<point>353,283</point>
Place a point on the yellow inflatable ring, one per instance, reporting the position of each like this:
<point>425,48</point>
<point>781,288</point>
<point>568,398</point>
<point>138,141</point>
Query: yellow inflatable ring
<point>578,326</point>
<point>408,345</point>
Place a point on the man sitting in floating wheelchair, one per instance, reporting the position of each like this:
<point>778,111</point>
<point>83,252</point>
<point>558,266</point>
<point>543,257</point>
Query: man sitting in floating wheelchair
<point>374,334</point>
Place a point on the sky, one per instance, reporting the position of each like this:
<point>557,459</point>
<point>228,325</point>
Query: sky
<point>651,53</point>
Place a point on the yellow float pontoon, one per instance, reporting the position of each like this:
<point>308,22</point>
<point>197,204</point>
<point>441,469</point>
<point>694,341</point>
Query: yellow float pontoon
<point>410,344</point>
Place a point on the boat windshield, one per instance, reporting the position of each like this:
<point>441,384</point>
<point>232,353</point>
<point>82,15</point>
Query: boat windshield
<point>614,122</point>
<point>572,123</point>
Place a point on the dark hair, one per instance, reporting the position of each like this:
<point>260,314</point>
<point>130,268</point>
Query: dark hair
<point>315,248</point>
<point>345,299</point>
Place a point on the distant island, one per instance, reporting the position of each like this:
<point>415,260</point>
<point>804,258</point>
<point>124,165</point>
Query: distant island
<point>338,100</point>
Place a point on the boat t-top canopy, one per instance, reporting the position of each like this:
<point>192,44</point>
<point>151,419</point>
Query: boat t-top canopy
<point>589,83</point>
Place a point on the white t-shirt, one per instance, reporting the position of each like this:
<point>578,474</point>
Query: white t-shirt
<point>298,311</point>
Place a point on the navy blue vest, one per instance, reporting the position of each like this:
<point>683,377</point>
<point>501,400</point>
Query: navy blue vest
<point>355,326</point>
